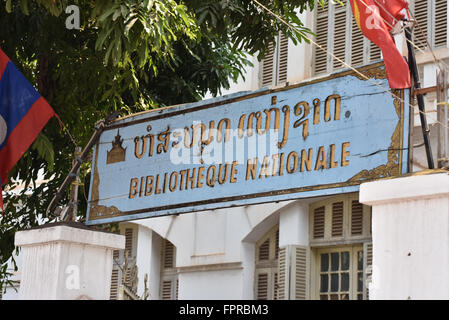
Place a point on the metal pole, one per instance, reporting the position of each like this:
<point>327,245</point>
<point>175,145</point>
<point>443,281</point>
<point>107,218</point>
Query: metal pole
<point>442,112</point>
<point>74,191</point>
<point>99,127</point>
<point>414,72</point>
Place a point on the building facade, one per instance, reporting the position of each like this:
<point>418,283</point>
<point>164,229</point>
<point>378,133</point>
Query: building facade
<point>316,248</point>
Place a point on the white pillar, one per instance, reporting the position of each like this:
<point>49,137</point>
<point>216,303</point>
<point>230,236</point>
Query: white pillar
<point>66,261</point>
<point>294,225</point>
<point>410,229</point>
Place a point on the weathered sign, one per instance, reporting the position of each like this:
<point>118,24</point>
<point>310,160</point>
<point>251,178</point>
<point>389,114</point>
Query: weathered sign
<point>316,138</point>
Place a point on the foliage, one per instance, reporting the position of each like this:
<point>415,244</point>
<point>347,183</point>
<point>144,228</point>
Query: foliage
<point>129,55</point>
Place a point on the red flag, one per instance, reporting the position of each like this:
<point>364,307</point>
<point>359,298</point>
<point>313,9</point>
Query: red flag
<point>390,11</point>
<point>370,15</point>
<point>23,114</point>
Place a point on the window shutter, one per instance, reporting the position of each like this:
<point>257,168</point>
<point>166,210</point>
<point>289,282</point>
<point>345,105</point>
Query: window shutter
<point>268,67</point>
<point>375,52</point>
<point>356,44</point>
<point>264,250</point>
<point>356,218</point>
<point>339,49</point>
<point>300,261</point>
<point>166,290</point>
<point>282,280</point>
<point>368,267</point>
<point>420,14</point>
<point>321,31</point>
<point>337,219</point>
<point>114,285</point>
<point>177,289</point>
<point>129,250</point>
<point>168,254</point>
<point>318,223</point>
<point>440,23</point>
<point>262,286</point>
<point>282,60</point>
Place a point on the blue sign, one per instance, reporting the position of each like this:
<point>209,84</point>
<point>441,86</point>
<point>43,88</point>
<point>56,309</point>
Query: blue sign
<point>315,138</point>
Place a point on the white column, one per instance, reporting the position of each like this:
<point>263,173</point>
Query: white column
<point>294,225</point>
<point>66,261</point>
<point>410,229</point>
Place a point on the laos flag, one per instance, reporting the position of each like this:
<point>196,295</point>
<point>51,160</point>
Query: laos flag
<point>23,114</point>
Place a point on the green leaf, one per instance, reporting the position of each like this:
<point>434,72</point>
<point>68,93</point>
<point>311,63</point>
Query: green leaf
<point>8,6</point>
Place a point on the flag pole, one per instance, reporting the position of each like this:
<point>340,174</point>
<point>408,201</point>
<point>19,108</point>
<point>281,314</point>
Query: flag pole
<point>99,128</point>
<point>417,84</point>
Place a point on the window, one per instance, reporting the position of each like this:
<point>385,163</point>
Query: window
<point>118,258</point>
<point>169,273</point>
<point>340,273</point>
<point>340,237</point>
<point>274,65</point>
<point>432,18</point>
<point>337,32</point>
<point>267,257</point>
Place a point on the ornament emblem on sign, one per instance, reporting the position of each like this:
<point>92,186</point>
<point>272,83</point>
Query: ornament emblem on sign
<point>117,153</point>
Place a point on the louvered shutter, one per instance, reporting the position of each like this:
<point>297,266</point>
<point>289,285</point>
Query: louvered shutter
<point>129,250</point>
<point>262,286</point>
<point>318,222</point>
<point>321,31</point>
<point>282,280</point>
<point>264,250</point>
<point>368,267</point>
<point>339,36</point>
<point>356,44</point>
<point>440,23</point>
<point>118,257</point>
<point>356,218</point>
<point>166,290</point>
<point>420,14</point>
<point>337,219</point>
<point>282,60</point>
<point>300,265</point>
<point>114,284</point>
<point>268,67</point>
<point>169,274</point>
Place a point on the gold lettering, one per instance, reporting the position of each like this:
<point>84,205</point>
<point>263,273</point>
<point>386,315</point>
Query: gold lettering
<point>321,159</point>
<point>183,174</point>
<point>227,130</point>
<point>156,188</point>
<point>172,186</point>
<point>164,137</point>
<point>241,123</point>
<point>190,179</point>
<point>222,178</point>
<point>295,162</point>
<point>275,158</point>
<point>344,154</point>
<point>316,110</point>
<point>149,185</point>
<point>234,171</point>
<point>281,165</point>
<point>141,186</point>
<point>264,169</point>
<point>337,100</point>
<point>286,111</point>
<point>251,168</point>
<point>133,187</point>
<point>210,181</point>
<point>165,182</point>
<point>333,163</point>
<point>137,153</point>
<point>302,108</point>
<point>199,184</point>
<point>306,159</point>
